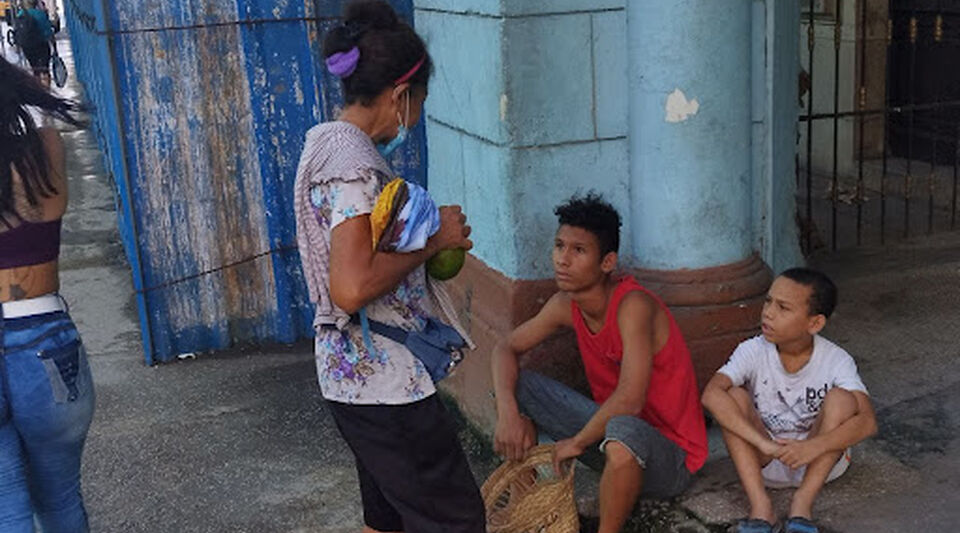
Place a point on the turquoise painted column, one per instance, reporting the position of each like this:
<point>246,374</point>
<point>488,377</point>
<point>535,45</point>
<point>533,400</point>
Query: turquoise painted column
<point>689,127</point>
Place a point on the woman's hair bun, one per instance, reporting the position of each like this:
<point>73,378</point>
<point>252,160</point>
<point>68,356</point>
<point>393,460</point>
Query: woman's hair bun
<point>371,15</point>
<point>384,49</point>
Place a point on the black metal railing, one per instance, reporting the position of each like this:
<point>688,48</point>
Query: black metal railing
<point>896,142</point>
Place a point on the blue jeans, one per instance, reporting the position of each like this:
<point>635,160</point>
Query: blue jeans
<point>561,413</point>
<point>46,406</point>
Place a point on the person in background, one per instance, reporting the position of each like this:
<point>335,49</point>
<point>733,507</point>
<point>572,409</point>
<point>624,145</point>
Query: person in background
<point>34,33</point>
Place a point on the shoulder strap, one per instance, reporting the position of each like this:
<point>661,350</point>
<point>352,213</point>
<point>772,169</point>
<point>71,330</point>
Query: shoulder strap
<point>398,335</point>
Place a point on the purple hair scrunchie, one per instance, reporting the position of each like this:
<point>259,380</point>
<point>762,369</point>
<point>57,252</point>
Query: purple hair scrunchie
<point>342,64</point>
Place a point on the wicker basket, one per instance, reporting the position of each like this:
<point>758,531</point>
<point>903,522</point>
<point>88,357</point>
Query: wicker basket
<point>527,497</point>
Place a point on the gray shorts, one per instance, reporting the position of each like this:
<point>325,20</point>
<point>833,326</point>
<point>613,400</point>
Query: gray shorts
<point>560,412</point>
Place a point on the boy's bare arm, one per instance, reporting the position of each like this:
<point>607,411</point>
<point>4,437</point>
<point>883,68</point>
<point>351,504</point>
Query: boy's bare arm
<point>635,317</point>
<point>717,400</point>
<point>511,438</point>
<point>855,429</point>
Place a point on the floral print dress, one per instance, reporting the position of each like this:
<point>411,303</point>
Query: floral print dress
<point>345,175</point>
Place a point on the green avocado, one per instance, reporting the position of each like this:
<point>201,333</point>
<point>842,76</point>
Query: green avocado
<point>446,263</point>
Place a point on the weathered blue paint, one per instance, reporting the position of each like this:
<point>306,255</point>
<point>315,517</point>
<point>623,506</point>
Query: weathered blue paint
<point>93,56</point>
<point>202,123</point>
<point>691,180</point>
<point>610,69</point>
<point>774,94</point>
<point>519,8</point>
<point>781,247</point>
<point>523,112</point>
<point>514,130</point>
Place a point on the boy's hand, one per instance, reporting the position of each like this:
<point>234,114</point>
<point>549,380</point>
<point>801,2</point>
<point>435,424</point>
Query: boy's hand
<point>797,453</point>
<point>565,450</point>
<point>514,436</point>
<point>771,448</point>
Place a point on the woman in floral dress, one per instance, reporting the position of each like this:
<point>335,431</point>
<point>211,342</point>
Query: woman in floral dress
<point>413,474</point>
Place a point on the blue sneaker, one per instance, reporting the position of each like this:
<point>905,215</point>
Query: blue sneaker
<point>798,524</point>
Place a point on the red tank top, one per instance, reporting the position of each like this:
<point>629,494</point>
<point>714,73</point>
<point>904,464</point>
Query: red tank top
<point>672,405</point>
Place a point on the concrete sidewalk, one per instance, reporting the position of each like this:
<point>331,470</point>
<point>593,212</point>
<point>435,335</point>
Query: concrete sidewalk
<point>239,441</point>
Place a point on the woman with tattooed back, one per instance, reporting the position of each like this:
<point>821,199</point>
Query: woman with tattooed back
<point>46,391</point>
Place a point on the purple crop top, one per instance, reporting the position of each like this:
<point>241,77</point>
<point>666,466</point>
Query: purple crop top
<point>31,243</point>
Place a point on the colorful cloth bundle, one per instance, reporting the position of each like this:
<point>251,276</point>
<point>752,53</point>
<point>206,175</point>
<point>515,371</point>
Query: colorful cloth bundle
<point>403,218</point>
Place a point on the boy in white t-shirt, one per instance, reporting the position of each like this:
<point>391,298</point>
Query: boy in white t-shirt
<point>790,402</point>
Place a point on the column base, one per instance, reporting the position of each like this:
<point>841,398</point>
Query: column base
<point>490,306</point>
<point>716,309</point>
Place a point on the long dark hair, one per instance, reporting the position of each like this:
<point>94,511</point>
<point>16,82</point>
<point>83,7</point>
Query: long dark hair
<point>21,146</point>
<point>388,46</point>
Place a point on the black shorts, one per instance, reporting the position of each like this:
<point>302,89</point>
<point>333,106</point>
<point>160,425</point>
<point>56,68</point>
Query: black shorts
<point>39,58</point>
<point>413,474</point>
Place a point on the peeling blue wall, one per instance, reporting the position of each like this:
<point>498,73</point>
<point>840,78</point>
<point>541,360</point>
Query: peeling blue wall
<point>530,103</point>
<point>691,177</point>
<point>527,106</point>
<point>201,110</point>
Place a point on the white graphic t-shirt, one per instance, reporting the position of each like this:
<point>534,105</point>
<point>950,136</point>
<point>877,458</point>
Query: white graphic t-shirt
<point>787,403</point>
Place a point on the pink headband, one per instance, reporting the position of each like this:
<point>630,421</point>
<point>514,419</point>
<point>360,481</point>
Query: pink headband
<point>406,77</point>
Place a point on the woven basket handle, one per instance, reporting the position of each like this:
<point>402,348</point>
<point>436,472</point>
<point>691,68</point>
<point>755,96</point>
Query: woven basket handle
<point>542,453</point>
<point>505,474</point>
<point>516,481</point>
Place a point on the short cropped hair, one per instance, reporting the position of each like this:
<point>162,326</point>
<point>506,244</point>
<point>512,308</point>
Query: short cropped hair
<point>823,296</point>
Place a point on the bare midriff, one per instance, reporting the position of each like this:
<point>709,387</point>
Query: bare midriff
<point>26,282</point>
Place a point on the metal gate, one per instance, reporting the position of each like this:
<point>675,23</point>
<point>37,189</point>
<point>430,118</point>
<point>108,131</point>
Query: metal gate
<point>879,138</point>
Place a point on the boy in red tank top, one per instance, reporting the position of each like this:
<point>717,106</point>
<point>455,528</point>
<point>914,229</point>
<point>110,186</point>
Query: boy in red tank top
<point>644,426</point>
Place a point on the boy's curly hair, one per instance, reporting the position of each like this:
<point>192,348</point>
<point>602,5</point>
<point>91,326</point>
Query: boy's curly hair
<point>594,214</point>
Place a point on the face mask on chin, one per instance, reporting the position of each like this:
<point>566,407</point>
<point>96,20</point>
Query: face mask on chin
<point>402,133</point>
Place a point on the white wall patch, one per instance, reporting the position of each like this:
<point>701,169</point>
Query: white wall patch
<point>679,108</point>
